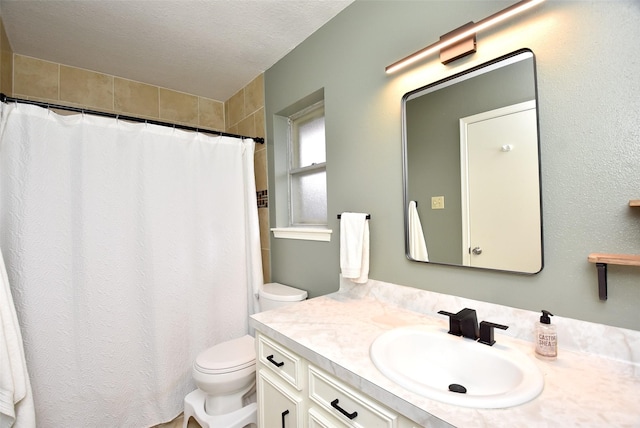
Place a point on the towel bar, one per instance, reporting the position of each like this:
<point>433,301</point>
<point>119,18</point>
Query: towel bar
<point>368,217</point>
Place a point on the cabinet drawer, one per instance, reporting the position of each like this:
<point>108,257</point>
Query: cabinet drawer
<point>346,404</point>
<point>286,364</point>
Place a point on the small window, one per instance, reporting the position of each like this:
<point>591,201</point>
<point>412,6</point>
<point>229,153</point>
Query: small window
<point>307,168</point>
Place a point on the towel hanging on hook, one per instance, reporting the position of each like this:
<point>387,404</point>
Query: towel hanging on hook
<point>354,247</point>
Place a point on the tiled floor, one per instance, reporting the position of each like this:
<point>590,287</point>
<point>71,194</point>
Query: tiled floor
<point>177,423</point>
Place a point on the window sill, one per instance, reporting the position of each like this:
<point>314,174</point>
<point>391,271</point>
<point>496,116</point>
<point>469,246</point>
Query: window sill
<point>305,233</point>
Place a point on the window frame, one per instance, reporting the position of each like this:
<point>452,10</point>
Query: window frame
<point>296,171</point>
<point>280,200</point>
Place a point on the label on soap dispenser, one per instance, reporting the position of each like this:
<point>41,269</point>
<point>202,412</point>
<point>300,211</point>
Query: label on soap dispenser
<point>547,344</point>
<point>548,341</point>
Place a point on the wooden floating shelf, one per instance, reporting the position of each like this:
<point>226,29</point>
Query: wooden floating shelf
<point>615,259</point>
<point>602,260</point>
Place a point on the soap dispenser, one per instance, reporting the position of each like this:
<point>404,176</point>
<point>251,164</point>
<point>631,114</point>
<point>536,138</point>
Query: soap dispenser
<point>546,338</point>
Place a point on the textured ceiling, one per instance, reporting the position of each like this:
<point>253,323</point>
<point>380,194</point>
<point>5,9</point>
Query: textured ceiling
<point>211,48</point>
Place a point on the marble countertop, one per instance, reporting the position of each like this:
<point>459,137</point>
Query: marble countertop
<point>583,388</point>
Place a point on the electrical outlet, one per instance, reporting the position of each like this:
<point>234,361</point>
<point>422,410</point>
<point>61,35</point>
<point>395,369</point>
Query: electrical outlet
<point>437,202</point>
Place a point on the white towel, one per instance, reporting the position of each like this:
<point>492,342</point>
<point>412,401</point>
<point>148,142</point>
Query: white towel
<point>16,399</point>
<point>417,244</point>
<point>354,247</point>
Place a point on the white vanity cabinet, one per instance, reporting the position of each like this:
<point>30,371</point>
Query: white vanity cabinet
<point>292,393</point>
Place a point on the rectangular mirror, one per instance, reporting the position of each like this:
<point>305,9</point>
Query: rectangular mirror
<point>471,168</point>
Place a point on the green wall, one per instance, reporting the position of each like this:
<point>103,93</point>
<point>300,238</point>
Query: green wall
<point>589,108</point>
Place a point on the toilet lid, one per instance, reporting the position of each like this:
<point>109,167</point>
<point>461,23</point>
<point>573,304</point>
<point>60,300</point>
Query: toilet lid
<point>282,293</point>
<point>227,356</point>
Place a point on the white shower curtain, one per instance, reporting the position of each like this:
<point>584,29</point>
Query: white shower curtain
<point>129,248</point>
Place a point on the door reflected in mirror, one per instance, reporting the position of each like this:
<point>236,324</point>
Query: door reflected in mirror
<point>471,168</point>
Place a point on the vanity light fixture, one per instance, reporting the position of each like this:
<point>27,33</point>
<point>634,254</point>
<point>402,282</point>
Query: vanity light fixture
<point>461,42</point>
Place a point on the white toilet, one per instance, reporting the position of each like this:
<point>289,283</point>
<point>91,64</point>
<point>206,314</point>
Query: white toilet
<point>226,373</point>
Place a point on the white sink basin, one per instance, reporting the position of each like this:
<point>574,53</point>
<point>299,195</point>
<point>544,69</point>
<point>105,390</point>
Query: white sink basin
<point>430,362</point>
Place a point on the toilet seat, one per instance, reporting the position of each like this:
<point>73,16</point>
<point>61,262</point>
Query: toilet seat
<point>282,293</point>
<point>226,357</point>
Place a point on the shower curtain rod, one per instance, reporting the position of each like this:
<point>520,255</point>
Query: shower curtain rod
<point>6,99</point>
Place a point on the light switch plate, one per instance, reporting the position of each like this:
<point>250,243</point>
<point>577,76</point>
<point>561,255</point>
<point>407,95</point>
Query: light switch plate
<point>437,202</point>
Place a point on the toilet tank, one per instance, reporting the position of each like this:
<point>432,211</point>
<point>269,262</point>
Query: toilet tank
<point>275,295</point>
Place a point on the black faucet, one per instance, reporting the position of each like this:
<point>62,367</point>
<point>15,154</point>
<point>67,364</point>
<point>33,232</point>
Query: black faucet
<point>486,332</point>
<point>465,324</point>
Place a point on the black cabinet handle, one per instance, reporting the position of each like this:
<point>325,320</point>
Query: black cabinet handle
<point>285,413</point>
<point>274,362</point>
<point>334,404</point>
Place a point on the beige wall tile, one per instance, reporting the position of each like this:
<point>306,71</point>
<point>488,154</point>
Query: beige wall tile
<point>247,127</point>
<point>254,95</point>
<point>211,114</point>
<point>234,108</point>
<point>35,78</point>
<point>263,217</point>
<point>85,87</point>
<point>233,129</point>
<point>266,265</point>
<point>6,72</point>
<point>260,167</point>
<point>135,98</point>
<point>178,107</point>
<point>6,63</point>
<point>258,123</point>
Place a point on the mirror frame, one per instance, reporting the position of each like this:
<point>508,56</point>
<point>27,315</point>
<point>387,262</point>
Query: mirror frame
<point>447,81</point>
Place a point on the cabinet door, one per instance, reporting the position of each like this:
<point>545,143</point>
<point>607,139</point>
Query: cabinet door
<point>279,407</point>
